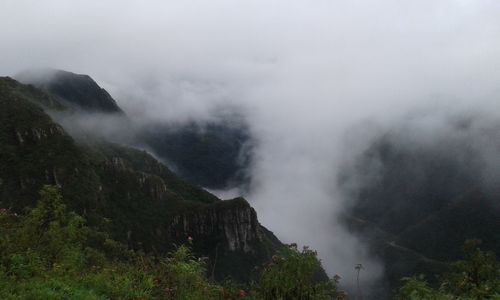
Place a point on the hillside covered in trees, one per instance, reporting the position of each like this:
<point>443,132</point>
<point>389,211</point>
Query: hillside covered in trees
<point>121,190</point>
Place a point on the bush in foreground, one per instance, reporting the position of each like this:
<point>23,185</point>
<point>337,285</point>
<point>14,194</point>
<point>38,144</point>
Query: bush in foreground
<point>50,253</point>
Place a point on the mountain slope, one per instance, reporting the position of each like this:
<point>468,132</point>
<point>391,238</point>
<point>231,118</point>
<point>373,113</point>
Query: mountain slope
<point>73,90</point>
<point>122,190</point>
<point>212,154</point>
<point>423,197</point>
<point>473,217</point>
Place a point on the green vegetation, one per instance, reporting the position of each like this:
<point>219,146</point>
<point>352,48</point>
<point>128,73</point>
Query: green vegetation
<point>416,203</point>
<point>122,191</point>
<point>74,90</point>
<point>107,230</point>
<point>291,275</point>
<point>50,253</point>
<point>213,155</point>
<point>222,145</point>
<point>477,277</point>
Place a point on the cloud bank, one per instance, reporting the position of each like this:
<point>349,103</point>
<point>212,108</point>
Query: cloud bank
<point>303,72</point>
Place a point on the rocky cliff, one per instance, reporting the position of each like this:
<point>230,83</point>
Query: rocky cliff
<point>234,218</point>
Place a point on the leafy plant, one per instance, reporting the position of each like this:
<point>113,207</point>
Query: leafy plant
<point>50,253</point>
<point>291,275</point>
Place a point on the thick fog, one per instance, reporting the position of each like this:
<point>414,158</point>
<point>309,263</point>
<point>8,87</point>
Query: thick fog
<point>304,74</point>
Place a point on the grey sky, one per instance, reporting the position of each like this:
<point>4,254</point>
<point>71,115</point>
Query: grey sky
<point>303,71</point>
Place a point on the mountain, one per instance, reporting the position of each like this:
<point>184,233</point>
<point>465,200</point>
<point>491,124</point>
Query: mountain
<point>121,190</point>
<point>73,90</point>
<point>416,203</point>
<point>212,154</point>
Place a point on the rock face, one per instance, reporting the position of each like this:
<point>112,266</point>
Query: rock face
<point>235,218</point>
<point>36,135</point>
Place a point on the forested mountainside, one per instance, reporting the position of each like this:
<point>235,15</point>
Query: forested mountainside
<point>416,203</point>
<point>121,190</point>
<point>76,91</point>
<point>197,150</point>
<point>213,154</point>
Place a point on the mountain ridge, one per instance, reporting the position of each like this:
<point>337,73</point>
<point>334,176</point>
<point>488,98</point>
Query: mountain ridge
<point>77,91</point>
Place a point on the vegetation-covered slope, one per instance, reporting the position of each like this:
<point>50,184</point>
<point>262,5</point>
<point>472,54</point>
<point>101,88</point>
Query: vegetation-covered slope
<point>211,154</point>
<point>52,253</point>
<point>36,151</point>
<point>417,202</point>
<point>73,90</point>
<point>123,191</point>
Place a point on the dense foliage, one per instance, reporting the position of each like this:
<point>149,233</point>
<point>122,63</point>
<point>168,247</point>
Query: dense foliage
<point>50,253</point>
<point>120,190</point>
<point>291,275</point>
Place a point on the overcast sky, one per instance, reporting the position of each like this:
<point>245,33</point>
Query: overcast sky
<point>304,72</point>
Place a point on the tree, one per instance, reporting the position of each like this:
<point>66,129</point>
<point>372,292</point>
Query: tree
<point>291,275</point>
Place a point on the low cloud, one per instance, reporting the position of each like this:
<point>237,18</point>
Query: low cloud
<point>302,72</point>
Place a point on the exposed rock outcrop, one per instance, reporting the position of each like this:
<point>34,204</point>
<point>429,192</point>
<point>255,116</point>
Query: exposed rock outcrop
<point>37,134</point>
<point>234,218</point>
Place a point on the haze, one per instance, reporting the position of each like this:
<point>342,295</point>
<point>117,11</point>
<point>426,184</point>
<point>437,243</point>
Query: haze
<point>304,73</point>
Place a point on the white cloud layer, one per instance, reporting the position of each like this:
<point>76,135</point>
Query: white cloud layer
<point>304,71</point>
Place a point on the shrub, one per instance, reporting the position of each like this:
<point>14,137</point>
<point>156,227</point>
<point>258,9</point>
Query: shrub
<point>291,275</point>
